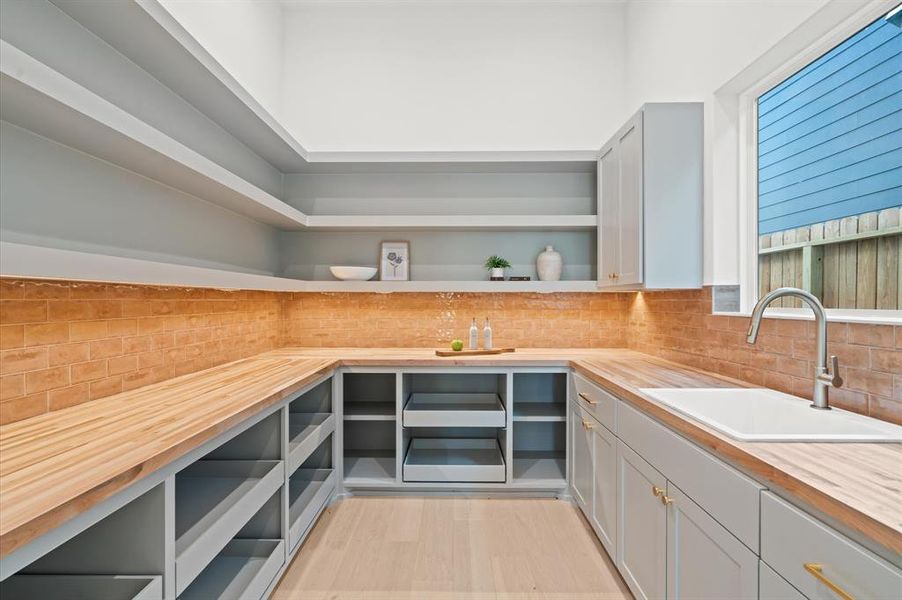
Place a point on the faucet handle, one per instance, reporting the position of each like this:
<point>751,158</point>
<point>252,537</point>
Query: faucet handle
<point>835,379</point>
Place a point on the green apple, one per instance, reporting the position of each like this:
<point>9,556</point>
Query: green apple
<point>457,345</point>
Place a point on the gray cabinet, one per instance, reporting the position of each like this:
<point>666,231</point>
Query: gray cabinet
<point>650,195</point>
<point>704,560</point>
<point>642,525</point>
<point>581,458</point>
<point>604,490</point>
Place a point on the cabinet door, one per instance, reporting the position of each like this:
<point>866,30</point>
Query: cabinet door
<point>704,560</point>
<point>581,459</point>
<point>629,140</point>
<point>608,214</point>
<point>604,498</point>
<point>642,525</point>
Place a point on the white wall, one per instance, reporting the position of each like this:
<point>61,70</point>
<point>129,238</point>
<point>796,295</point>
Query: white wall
<point>679,50</point>
<point>447,75</point>
<point>244,36</point>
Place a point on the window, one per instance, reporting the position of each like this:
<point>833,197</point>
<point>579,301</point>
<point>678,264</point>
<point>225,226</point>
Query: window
<point>829,175</point>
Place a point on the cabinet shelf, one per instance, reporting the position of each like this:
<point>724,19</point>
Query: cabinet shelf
<point>540,411</point>
<point>213,501</point>
<point>82,587</point>
<point>540,468</point>
<point>244,569</point>
<point>369,468</point>
<point>368,410</point>
<point>308,492</point>
<point>306,431</point>
<point>42,100</point>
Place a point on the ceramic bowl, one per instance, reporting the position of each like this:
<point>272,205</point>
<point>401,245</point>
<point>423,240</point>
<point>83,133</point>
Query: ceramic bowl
<point>353,273</point>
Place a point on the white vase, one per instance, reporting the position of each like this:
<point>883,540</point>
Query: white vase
<point>549,265</point>
<point>497,273</point>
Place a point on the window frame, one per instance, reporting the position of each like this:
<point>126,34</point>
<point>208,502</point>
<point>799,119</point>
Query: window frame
<point>747,125</point>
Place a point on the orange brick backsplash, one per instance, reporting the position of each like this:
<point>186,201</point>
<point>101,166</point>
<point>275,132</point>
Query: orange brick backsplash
<point>64,343</point>
<point>679,326</point>
<point>562,320</point>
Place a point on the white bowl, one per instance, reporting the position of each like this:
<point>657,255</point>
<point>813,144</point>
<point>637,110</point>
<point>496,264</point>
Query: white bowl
<point>353,273</point>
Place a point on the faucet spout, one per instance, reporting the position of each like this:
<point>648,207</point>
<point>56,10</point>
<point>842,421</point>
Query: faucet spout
<point>825,375</point>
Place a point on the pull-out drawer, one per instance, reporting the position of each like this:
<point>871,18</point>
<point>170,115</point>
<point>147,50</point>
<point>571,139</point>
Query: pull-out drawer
<point>309,491</point>
<point>454,460</point>
<point>82,587</point>
<point>600,404</point>
<point>725,493</point>
<point>809,554</point>
<point>454,410</point>
<point>242,571</point>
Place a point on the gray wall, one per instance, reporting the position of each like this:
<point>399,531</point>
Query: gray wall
<point>52,195</point>
<point>443,193</point>
<point>44,31</point>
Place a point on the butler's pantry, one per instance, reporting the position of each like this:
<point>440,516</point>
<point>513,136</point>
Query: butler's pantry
<point>450,299</point>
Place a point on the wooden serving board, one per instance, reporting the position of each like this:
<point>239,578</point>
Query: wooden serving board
<point>474,352</point>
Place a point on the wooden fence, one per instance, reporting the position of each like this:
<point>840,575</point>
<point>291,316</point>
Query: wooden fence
<point>854,262</point>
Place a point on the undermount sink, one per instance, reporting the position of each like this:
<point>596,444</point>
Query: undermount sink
<point>762,415</point>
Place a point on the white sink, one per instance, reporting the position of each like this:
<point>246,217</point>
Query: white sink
<point>762,415</point>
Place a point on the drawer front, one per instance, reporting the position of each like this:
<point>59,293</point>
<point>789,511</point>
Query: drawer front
<point>791,539</point>
<point>773,587</point>
<point>725,493</point>
<point>600,404</point>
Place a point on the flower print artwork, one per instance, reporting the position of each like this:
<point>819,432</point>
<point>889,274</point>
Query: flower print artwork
<point>395,261</point>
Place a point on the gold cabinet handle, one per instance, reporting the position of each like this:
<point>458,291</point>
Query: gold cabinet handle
<point>817,571</point>
<point>665,500</point>
<point>587,424</point>
<point>588,400</point>
<point>657,491</point>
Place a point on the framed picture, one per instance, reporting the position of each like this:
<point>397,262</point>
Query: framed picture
<point>394,261</point>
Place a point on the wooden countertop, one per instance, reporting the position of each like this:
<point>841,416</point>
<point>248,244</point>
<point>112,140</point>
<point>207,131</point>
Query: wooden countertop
<point>57,465</point>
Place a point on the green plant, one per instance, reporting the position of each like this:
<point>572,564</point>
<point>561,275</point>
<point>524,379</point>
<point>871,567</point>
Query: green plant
<point>496,262</point>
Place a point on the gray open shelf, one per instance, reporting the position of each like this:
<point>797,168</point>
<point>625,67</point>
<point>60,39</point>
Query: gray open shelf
<point>540,468</point>
<point>369,468</point>
<point>242,570</point>
<point>82,587</point>
<point>308,492</point>
<point>370,410</point>
<point>540,411</point>
<point>306,431</point>
<point>214,500</point>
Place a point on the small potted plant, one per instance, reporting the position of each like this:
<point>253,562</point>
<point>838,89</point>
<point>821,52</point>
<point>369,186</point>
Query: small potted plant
<point>495,266</point>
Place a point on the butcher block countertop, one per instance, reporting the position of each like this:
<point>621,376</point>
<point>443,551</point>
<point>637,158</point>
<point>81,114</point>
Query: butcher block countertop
<point>57,465</point>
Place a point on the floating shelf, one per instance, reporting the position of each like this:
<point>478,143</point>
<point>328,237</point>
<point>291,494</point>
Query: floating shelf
<point>547,468</point>
<point>244,569</point>
<point>458,222</point>
<point>214,499</point>
<point>451,286</point>
<point>38,98</point>
<point>369,411</point>
<point>308,492</point>
<point>454,460</point>
<point>369,468</point>
<point>306,431</point>
<point>82,587</point>
<point>540,411</point>
<point>454,410</point>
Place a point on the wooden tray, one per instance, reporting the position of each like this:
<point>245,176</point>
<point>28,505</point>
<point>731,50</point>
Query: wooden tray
<point>474,352</point>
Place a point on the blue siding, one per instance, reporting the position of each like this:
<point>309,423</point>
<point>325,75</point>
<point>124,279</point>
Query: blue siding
<point>830,136</point>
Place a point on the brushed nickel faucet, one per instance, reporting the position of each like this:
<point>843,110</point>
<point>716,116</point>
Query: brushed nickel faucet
<point>825,375</point>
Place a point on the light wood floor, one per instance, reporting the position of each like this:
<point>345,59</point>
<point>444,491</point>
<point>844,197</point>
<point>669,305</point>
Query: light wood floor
<point>383,548</point>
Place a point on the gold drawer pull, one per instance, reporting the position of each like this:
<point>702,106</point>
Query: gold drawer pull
<point>587,424</point>
<point>587,399</point>
<point>657,491</point>
<point>817,571</point>
<point>665,500</point>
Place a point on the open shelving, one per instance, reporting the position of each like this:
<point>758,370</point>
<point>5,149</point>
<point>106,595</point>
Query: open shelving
<point>309,488</point>
<point>540,430</point>
<point>244,568</point>
<point>369,434</point>
<point>83,587</point>
<point>459,222</point>
<point>369,397</point>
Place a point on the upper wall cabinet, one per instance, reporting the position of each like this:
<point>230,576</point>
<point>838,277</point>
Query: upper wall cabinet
<point>650,200</point>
